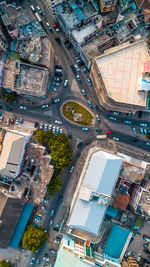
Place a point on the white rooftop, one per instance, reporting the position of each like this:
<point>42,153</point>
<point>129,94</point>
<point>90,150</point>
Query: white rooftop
<point>100,177</point>
<point>121,70</point>
<point>80,35</point>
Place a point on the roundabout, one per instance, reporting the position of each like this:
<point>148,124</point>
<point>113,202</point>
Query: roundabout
<point>77,113</point>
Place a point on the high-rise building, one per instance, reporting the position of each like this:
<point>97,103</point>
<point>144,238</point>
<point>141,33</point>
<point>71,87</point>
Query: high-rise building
<point>107,5</point>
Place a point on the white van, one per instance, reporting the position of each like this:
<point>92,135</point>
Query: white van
<point>32,8</point>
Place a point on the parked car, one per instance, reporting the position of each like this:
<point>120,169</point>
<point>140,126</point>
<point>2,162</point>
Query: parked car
<point>73,69</point>
<point>39,10</point>
<point>127,254</point>
<point>148,144</point>
<point>36,125</point>
<point>80,145</point>
<point>138,257</point>
<point>84,69</point>
<point>78,77</point>
<point>145,131</point>
<point>116,113</point>
<point>32,261</point>
<point>69,134</point>
<point>38,261</point>
<point>145,245</point>
<point>141,131</point>
<point>71,169</point>
<point>56,84</point>
<point>97,129</point>
<point>60,199</point>
<point>112,118</point>
<point>134,130</point>
<point>41,126</point>
<point>54,89</point>
<point>57,79</point>
<point>77,68</point>
<point>108,132</point>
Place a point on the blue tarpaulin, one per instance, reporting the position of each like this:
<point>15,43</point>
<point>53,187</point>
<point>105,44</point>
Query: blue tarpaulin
<point>112,212</point>
<point>21,225</point>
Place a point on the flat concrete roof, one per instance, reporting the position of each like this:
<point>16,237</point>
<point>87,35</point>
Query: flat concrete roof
<point>80,36</point>
<point>121,70</point>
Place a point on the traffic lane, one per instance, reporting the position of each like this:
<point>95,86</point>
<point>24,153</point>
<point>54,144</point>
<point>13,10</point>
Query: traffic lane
<point>133,123</point>
<point>139,143</point>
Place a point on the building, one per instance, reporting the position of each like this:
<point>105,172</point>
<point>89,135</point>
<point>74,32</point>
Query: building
<point>145,7</point>
<point>107,5</point>
<point>128,26</point>
<point>12,149</point>
<point>80,254</point>
<point>121,202</point>
<point>117,242</point>
<point>72,16</point>
<point>130,262</point>
<point>14,213</point>
<point>92,196</point>
<point>25,78</point>
<point>119,86</point>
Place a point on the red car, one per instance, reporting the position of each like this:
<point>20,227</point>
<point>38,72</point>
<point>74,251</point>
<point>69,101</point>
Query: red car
<point>108,132</point>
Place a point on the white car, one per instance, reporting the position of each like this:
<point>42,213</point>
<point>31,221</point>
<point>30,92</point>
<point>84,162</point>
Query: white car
<point>77,68</point>
<point>50,127</point>
<point>97,117</point>
<point>54,128</point>
<point>44,106</point>
<point>61,131</point>
<point>41,126</point>
<point>23,107</point>
<point>116,139</point>
<point>58,122</point>
<point>65,83</point>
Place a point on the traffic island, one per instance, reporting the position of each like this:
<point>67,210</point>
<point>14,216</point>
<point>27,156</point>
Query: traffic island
<point>77,113</point>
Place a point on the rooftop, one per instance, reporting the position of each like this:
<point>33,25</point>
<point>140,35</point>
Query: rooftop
<point>99,175</point>
<point>9,218</point>
<point>118,239</point>
<point>121,70</point>
<point>81,35</point>
<point>121,201</point>
<point>12,149</point>
<point>72,15</point>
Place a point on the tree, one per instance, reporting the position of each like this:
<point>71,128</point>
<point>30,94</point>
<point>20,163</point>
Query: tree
<point>54,186</point>
<point>11,97</point>
<point>33,238</point>
<point>4,263</point>
<point>39,136</point>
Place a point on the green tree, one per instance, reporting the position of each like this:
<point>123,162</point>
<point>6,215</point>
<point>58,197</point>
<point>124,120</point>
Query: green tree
<point>39,136</point>
<point>54,186</point>
<point>11,97</point>
<point>33,238</point>
<point>4,263</point>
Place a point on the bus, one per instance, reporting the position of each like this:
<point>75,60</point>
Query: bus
<point>38,17</point>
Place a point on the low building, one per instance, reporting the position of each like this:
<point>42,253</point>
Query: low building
<point>117,243</point>
<point>25,78</point>
<point>145,7</point>
<point>72,16</point>
<point>130,262</point>
<point>12,153</point>
<point>107,5</point>
<point>92,196</point>
<point>118,86</point>
<point>121,202</point>
<point>80,254</point>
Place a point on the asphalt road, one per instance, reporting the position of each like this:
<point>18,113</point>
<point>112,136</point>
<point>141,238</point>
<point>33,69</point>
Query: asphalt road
<point>34,113</point>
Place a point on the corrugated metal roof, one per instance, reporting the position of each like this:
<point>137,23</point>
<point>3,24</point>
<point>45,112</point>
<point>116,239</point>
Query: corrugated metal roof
<point>101,175</point>
<point>21,225</point>
<point>116,241</point>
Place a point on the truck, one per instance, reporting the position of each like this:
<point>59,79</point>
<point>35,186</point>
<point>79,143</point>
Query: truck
<point>104,136</point>
<point>38,17</point>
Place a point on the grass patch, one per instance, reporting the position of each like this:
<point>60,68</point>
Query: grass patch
<point>86,115</point>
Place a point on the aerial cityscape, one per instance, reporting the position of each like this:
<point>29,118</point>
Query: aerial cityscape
<point>75,133</point>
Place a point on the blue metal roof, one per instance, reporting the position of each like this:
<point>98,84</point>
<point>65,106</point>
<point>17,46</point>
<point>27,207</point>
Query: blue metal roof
<point>78,12</point>
<point>112,212</point>
<point>21,225</point>
<point>116,241</point>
